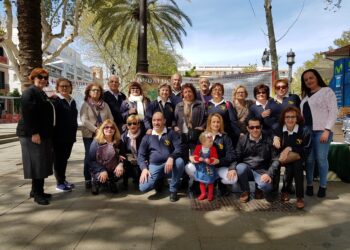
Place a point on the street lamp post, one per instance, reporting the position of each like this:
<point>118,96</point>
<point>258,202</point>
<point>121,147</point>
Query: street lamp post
<point>265,57</point>
<point>142,62</point>
<point>290,62</point>
<point>112,69</point>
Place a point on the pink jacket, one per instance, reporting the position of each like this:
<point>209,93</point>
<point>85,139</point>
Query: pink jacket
<point>324,110</point>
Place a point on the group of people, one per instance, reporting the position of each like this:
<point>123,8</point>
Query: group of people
<point>196,138</point>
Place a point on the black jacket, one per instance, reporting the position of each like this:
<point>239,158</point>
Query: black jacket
<point>66,120</point>
<point>37,114</point>
<point>260,156</point>
<point>114,106</point>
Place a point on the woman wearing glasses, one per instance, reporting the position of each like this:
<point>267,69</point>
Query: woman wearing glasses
<point>261,110</point>
<point>106,167</point>
<point>242,106</point>
<point>64,132</point>
<point>35,130</point>
<point>295,143</point>
<point>92,113</point>
<point>131,140</point>
<point>135,104</point>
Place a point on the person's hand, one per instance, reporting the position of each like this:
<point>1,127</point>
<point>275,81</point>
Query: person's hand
<point>265,178</point>
<point>149,131</point>
<point>119,170</point>
<point>192,159</point>
<point>103,177</point>
<point>36,139</point>
<point>207,161</point>
<point>201,159</point>
<point>169,165</point>
<point>266,113</point>
<point>132,111</point>
<point>215,161</point>
<point>324,137</point>
<point>176,129</point>
<point>231,175</point>
<point>145,174</point>
<point>284,154</point>
<point>276,142</point>
<point>122,158</point>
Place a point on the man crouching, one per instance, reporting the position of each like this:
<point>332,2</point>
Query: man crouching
<point>159,156</point>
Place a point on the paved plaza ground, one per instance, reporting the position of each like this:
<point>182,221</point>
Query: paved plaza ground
<point>131,220</point>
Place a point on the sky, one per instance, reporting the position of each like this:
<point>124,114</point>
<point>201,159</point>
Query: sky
<point>226,32</point>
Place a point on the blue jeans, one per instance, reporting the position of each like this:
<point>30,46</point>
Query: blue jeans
<point>87,144</point>
<point>157,172</point>
<point>319,154</point>
<point>246,174</point>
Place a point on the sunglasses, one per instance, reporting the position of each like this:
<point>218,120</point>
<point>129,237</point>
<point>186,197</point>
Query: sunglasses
<point>254,127</point>
<point>281,87</point>
<point>290,117</point>
<point>133,123</point>
<point>40,77</point>
<point>261,93</point>
<point>109,127</point>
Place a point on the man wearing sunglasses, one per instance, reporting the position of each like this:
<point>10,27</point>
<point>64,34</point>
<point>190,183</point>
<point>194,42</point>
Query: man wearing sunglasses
<point>159,156</point>
<point>114,98</point>
<point>256,160</point>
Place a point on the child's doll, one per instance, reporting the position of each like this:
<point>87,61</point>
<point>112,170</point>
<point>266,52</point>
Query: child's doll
<point>205,157</point>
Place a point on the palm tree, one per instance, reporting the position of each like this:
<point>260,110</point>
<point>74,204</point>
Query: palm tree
<point>123,16</point>
<point>29,36</point>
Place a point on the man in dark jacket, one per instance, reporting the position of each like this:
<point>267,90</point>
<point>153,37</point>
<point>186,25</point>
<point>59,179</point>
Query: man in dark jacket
<point>257,159</point>
<point>159,155</point>
<point>176,95</point>
<point>114,98</point>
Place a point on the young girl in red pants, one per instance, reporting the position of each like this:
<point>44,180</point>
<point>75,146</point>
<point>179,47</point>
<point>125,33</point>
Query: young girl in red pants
<point>205,158</point>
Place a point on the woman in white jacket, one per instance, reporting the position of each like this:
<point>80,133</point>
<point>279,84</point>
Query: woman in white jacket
<point>93,113</point>
<point>319,109</point>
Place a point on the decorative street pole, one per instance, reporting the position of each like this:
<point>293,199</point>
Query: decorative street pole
<point>142,63</point>
<point>290,62</point>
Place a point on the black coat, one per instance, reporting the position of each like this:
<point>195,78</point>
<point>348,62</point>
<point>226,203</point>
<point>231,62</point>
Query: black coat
<point>37,114</point>
<point>114,105</point>
<point>66,120</point>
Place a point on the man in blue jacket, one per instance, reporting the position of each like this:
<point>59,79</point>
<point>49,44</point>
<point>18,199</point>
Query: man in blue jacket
<point>160,155</point>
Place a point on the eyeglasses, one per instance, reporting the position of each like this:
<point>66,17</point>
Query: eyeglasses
<point>109,127</point>
<point>133,123</point>
<point>64,86</point>
<point>134,89</point>
<point>290,117</point>
<point>240,92</point>
<point>281,87</point>
<point>95,90</point>
<point>40,77</point>
<point>254,127</point>
<point>261,93</point>
<point>113,81</point>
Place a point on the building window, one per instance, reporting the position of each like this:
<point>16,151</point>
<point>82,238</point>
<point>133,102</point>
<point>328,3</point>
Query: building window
<point>1,51</point>
<point>2,80</point>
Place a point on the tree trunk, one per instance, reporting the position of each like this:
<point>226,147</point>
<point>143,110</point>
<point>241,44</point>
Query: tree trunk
<point>142,63</point>
<point>272,39</point>
<point>29,36</point>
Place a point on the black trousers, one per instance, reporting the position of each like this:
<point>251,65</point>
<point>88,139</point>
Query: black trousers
<point>294,170</point>
<point>38,186</point>
<point>62,151</point>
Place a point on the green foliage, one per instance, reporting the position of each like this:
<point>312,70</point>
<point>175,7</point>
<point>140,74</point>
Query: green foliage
<point>344,40</point>
<point>122,16</point>
<point>191,73</point>
<point>16,102</point>
<point>251,68</point>
<point>55,8</point>
<point>162,59</point>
